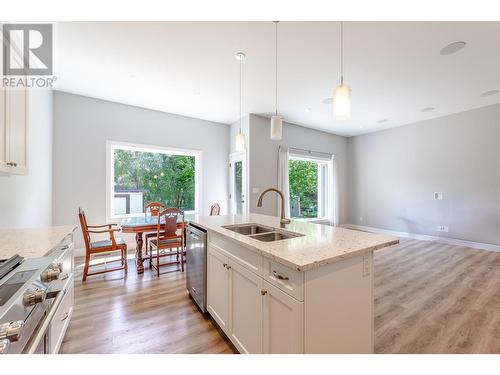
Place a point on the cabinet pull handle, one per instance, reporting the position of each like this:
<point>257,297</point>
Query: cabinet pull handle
<point>64,317</point>
<point>263,292</point>
<point>280,277</point>
<point>64,277</point>
<point>12,164</point>
<point>224,265</point>
<point>228,267</point>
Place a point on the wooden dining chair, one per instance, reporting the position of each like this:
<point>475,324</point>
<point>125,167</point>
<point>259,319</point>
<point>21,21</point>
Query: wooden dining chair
<point>215,209</point>
<point>154,208</point>
<point>101,246</point>
<point>169,236</point>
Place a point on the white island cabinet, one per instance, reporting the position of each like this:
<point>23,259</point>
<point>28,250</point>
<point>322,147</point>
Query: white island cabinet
<point>307,294</point>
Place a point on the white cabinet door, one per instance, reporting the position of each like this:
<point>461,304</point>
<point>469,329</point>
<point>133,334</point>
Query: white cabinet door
<point>246,309</point>
<point>282,322</point>
<point>3,132</point>
<point>17,129</point>
<point>218,288</point>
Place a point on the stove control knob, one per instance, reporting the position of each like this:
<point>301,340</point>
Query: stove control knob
<point>4,346</point>
<point>50,274</point>
<point>11,332</point>
<point>57,266</point>
<point>33,296</point>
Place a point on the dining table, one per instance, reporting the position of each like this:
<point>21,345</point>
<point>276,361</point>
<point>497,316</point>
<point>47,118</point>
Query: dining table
<point>146,224</point>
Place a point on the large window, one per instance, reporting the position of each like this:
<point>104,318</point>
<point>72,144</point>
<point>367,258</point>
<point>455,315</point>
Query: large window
<point>140,174</point>
<point>309,181</point>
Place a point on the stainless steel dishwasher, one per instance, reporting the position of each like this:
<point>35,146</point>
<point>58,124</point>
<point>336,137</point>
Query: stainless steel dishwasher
<point>196,265</point>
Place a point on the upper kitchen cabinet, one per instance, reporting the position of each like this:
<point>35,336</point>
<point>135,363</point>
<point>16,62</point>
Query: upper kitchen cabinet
<point>14,131</point>
<point>13,128</point>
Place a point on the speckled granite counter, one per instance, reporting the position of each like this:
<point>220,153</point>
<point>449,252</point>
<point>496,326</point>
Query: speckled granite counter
<point>31,242</point>
<point>321,244</point>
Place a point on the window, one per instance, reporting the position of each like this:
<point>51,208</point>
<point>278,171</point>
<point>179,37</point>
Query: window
<point>309,181</point>
<point>138,175</point>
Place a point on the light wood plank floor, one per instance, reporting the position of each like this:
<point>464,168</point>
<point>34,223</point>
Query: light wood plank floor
<point>429,298</point>
<point>139,314</point>
<point>436,298</point>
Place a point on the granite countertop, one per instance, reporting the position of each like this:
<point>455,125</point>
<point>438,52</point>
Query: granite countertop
<point>320,245</point>
<point>32,242</point>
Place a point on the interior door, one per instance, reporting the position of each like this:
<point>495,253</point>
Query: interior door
<point>237,178</point>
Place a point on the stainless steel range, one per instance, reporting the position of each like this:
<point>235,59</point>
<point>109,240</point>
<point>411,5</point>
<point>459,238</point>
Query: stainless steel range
<point>32,292</point>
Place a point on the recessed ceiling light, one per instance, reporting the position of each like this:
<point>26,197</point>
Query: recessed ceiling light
<point>452,48</point>
<point>490,93</point>
<point>308,109</point>
<point>427,109</point>
<point>327,101</point>
<point>382,121</point>
<point>197,93</point>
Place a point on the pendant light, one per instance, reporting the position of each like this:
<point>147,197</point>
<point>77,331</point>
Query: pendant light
<point>240,137</point>
<point>276,120</point>
<point>342,94</point>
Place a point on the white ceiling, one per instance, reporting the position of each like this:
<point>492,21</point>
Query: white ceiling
<point>188,68</point>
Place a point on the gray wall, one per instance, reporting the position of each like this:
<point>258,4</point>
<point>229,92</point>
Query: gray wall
<point>264,159</point>
<point>82,126</point>
<point>394,174</point>
<point>26,201</point>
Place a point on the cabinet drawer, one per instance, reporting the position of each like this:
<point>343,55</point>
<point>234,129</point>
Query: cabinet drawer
<point>244,256</point>
<point>61,320</point>
<point>288,280</point>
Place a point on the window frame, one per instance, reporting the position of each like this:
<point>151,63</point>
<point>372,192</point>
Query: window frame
<point>323,182</point>
<point>110,173</point>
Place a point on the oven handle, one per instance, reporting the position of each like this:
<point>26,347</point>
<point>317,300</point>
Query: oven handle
<point>47,320</point>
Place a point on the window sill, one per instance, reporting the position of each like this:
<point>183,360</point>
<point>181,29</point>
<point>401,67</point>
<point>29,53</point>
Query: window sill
<point>314,220</point>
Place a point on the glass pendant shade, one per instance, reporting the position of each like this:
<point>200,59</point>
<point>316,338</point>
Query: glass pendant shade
<point>342,102</point>
<point>240,142</point>
<point>276,128</point>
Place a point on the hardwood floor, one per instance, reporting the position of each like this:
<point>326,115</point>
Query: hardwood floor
<point>436,298</point>
<point>139,314</point>
<point>429,298</point>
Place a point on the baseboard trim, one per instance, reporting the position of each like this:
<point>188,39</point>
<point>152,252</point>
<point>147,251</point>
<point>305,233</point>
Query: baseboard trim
<point>425,237</point>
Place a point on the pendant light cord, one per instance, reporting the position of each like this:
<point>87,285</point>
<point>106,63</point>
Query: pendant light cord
<point>276,66</point>
<point>341,53</point>
<point>240,95</point>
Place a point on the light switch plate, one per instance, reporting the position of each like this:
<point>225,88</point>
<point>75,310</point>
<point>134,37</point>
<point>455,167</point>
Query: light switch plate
<point>438,195</point>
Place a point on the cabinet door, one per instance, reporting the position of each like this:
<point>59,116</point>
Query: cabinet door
<point>282,321</point>
<point>246,309</point>
<point>17,126</point>
<point>3,132</point>
<point>218,288</point>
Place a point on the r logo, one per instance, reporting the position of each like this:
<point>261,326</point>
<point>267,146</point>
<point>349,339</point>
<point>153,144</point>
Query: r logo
<point>27,49</point>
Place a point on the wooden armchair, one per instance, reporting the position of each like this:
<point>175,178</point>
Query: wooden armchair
<point>215,209</point>
<point>154,209</point>
<point>169,236</point>
<point>101,246</point>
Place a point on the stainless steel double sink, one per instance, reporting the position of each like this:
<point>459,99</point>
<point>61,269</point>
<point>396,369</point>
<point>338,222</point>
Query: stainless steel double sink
<point>262,232</point>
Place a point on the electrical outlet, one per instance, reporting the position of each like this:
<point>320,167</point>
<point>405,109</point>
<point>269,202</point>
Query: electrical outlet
<point>438,195</point>
<point>366,265</point>
<point>442,228</point>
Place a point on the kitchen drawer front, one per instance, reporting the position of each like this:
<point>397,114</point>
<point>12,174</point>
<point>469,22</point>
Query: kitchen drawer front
<point>288,280</point>
<point>244,256</point>
<point>61,319</point>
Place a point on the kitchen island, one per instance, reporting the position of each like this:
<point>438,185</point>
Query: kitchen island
<point>297,288</point>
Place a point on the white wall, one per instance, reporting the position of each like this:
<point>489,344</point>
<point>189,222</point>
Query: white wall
<point>26,201</point>
<point>264,159</point>
<point>82,126</point>
<point>394,173</point>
